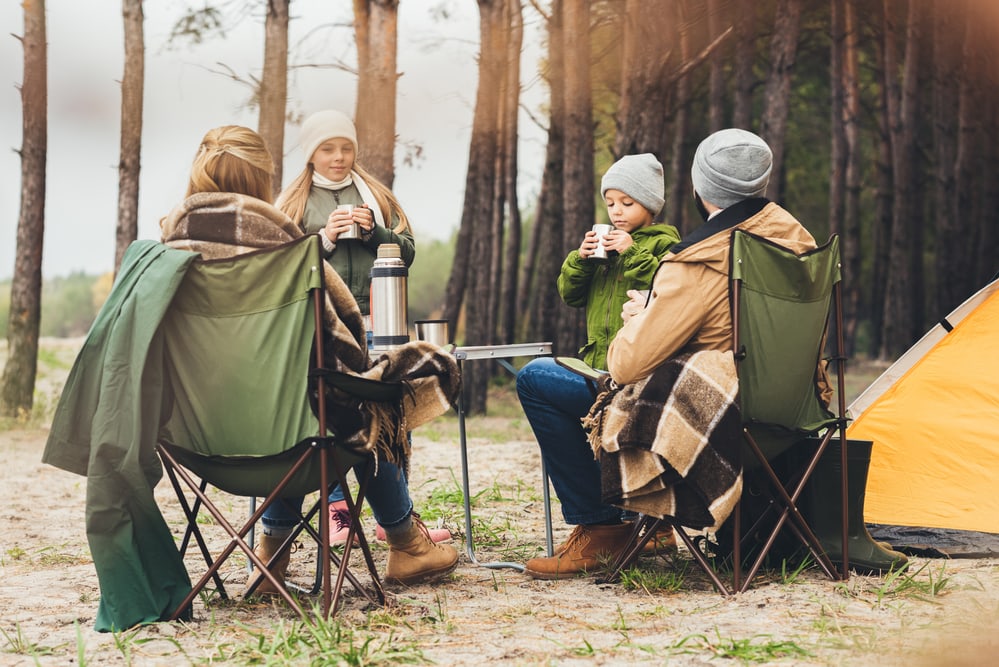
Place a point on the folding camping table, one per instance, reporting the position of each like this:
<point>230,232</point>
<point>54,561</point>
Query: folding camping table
<point>500,353</point>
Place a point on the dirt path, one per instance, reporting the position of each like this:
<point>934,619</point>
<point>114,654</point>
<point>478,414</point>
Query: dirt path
<point>49,593</point>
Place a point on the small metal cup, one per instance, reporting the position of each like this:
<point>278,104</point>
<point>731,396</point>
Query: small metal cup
<point>354,232</point>
<point>433,331</point>
<point>601,252</point>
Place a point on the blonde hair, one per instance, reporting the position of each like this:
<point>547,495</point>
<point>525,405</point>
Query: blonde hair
<point>293,198</point>
<point>233,158</point>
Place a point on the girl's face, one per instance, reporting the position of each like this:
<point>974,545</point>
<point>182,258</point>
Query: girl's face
<point>334,158</point>
<point>626,213</point>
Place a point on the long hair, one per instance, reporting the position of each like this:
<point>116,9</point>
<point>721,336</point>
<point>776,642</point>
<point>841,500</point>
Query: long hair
<point>293,198</point>
<point>233,158</point>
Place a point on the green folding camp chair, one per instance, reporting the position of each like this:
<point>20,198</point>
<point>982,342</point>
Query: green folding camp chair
<point>781,305</point>
<point>243,341</point>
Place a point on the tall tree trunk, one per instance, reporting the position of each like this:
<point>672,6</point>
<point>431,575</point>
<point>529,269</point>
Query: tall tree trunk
<point>852,248</point>
<point>777,93</point>
<point>967,171</point>
<point>17,385</point>
<point>274,85</point>
<point>679,184</point>
<point>131,129</point>
<point>951,253</point>
<point>716,73</point>
<point>509,310</point>
<point>475,243</point>
<point>901,322</point>
<point>644,96</point>
<point>376,31</point>
<point>745,56</point>
<point>578,181</point>
<point>543,304</point>
<point>887,56</point>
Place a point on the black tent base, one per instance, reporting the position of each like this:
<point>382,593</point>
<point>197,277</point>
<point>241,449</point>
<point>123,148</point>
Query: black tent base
<point>937,542</point>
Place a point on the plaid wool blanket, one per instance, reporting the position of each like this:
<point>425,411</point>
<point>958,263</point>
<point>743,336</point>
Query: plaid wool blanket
<point>668,445</point>
<point>221,225</point>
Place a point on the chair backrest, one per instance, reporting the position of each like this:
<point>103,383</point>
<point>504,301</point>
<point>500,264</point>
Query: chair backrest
<point>238,338</point>
<point>781,306</point>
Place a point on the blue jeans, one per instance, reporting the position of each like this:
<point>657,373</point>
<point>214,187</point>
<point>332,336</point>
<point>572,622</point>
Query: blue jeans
<point>554,400</point>
<point>388,496</point>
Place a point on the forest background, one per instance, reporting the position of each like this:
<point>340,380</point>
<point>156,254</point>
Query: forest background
<point>882,115</point>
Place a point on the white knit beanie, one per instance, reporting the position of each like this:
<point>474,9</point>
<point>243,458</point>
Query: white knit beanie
<point>731,165</point>
<point>640,177</point>
<point>322,126</point>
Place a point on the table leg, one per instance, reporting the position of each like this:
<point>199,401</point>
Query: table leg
<point>469,538</point>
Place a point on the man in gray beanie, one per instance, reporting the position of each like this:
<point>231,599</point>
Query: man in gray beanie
<point>689,309</point>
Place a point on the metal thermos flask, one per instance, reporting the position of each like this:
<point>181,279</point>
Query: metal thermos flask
<point>389,301</point>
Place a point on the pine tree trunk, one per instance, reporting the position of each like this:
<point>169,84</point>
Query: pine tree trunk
<point>132,83</point>
<point>376,32</point>
<point>904,292</point>
<point>578,179</point>
<point>273,92</point>
<point>509,307</point>
<point>777,92</point>
<point>17,385</point>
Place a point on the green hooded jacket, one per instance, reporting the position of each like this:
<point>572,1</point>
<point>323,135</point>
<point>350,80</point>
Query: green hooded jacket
<point>601,287</point>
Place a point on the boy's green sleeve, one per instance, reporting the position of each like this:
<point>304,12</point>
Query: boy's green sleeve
<point>574,280</point>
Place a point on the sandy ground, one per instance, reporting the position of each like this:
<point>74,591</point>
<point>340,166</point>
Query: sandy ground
<point>49,591</point>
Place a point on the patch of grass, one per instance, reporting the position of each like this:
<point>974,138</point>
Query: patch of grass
<point>656,580</point>
<point>17,643</point>
<point>762,649</point>
<point>322,642</point>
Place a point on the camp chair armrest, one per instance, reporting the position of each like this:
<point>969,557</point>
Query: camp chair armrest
<point>359,387</point>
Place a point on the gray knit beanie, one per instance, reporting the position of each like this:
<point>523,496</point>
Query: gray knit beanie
<point>731,165</point>
<point>640,177</point>
<point>322,126</point>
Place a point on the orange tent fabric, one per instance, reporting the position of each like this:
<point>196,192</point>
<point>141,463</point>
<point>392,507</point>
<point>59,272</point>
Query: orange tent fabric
<point>934,420</point>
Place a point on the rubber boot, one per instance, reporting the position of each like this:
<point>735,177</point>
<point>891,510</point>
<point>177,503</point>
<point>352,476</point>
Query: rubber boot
<point>820,506</point>
<point>413,557</point>
<point>264,550</point>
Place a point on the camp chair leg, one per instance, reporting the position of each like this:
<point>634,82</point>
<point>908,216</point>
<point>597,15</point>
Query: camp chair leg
<point>191,514</point>
<point>788,503</point>
<point>644,528</point>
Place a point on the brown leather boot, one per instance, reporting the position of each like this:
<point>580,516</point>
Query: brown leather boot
<point>587,549</point>
<point>265,549</point>
<point>413,557</point>
<point>663,542</point>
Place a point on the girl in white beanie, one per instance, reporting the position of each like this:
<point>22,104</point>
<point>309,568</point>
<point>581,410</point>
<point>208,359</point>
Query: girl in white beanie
<point>332,177</point>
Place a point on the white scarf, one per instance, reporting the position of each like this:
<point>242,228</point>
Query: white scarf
<point>367,196</point>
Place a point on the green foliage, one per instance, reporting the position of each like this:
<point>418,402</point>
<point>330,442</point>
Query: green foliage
<point>428,278</point>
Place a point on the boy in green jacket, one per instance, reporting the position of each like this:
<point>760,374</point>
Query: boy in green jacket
<point>554,398</point>
<point>633,190</point>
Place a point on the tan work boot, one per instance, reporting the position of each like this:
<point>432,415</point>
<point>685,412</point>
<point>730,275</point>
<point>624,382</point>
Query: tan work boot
<point>265,549</point>
<point>587,549</point>
<point>413,557</point>
<point>663,542</point>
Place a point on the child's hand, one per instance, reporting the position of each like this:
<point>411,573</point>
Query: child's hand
<point>589,244</point>
<point>618,239</point>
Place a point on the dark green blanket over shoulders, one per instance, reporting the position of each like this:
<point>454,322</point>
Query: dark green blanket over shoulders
<point>105,427</point>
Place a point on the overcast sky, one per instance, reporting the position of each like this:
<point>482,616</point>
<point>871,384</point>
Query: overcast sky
<point>185,96</point>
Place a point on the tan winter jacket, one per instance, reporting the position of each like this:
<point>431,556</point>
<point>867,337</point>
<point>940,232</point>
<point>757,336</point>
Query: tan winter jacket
<point>689,307</point>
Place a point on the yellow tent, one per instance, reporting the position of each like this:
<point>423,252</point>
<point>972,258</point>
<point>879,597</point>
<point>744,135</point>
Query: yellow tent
<point>934,419</point>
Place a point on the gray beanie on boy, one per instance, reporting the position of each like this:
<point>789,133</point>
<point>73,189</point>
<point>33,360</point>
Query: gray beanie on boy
<point>640,177</point>
<point>731,165</point>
